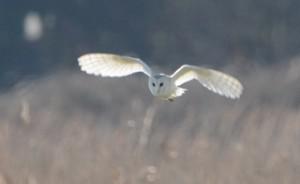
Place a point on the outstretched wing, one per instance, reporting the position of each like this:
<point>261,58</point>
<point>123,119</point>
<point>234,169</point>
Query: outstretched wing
<point>110,65</point>
<point>215,81</point>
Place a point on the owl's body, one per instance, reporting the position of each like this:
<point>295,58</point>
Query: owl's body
<point>164,86</point>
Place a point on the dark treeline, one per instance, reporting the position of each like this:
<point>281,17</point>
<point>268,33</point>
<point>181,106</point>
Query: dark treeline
<point>204,32</point>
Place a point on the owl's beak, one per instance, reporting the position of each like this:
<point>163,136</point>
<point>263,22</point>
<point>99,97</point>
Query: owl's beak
<point>158,90</point>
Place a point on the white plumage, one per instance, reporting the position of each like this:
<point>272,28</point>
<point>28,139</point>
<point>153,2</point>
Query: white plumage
<point>161,85</point>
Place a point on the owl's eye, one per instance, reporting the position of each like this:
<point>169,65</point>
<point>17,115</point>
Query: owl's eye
<point>153,84</point>
<point>161,84</point>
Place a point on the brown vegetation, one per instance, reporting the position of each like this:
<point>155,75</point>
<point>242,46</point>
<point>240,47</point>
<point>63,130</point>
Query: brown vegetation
<point>74,128</point>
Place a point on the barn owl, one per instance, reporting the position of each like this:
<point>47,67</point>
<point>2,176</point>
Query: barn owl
<point>164,86</point>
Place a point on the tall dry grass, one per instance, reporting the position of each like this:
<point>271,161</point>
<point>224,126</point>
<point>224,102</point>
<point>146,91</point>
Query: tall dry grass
<point>73,128</point>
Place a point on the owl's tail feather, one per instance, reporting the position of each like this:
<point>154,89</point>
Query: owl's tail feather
<point>178,92</point>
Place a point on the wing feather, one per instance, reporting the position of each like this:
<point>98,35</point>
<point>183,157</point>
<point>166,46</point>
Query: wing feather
<point>213,80</point>
<point>110,65</point>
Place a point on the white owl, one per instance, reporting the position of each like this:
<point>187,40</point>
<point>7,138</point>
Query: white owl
<point>166,87</point>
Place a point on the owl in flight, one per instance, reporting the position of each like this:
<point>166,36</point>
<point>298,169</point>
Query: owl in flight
<point>166,87</point>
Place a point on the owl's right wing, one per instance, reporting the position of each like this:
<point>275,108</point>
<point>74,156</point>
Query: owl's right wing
<point>111,65</point>
<point>218,82</point>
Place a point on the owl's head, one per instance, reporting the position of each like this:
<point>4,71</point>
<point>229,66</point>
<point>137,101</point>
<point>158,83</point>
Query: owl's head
<point>159,85</point>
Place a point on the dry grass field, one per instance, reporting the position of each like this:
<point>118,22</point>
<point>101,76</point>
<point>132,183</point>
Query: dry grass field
<point>73,128</point>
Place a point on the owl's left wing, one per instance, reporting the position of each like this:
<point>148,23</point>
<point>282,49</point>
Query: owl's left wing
<point>213,80</point>
<point>112,65</point>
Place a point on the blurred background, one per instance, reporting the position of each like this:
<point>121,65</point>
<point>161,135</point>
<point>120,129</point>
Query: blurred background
<point>59,125</point>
